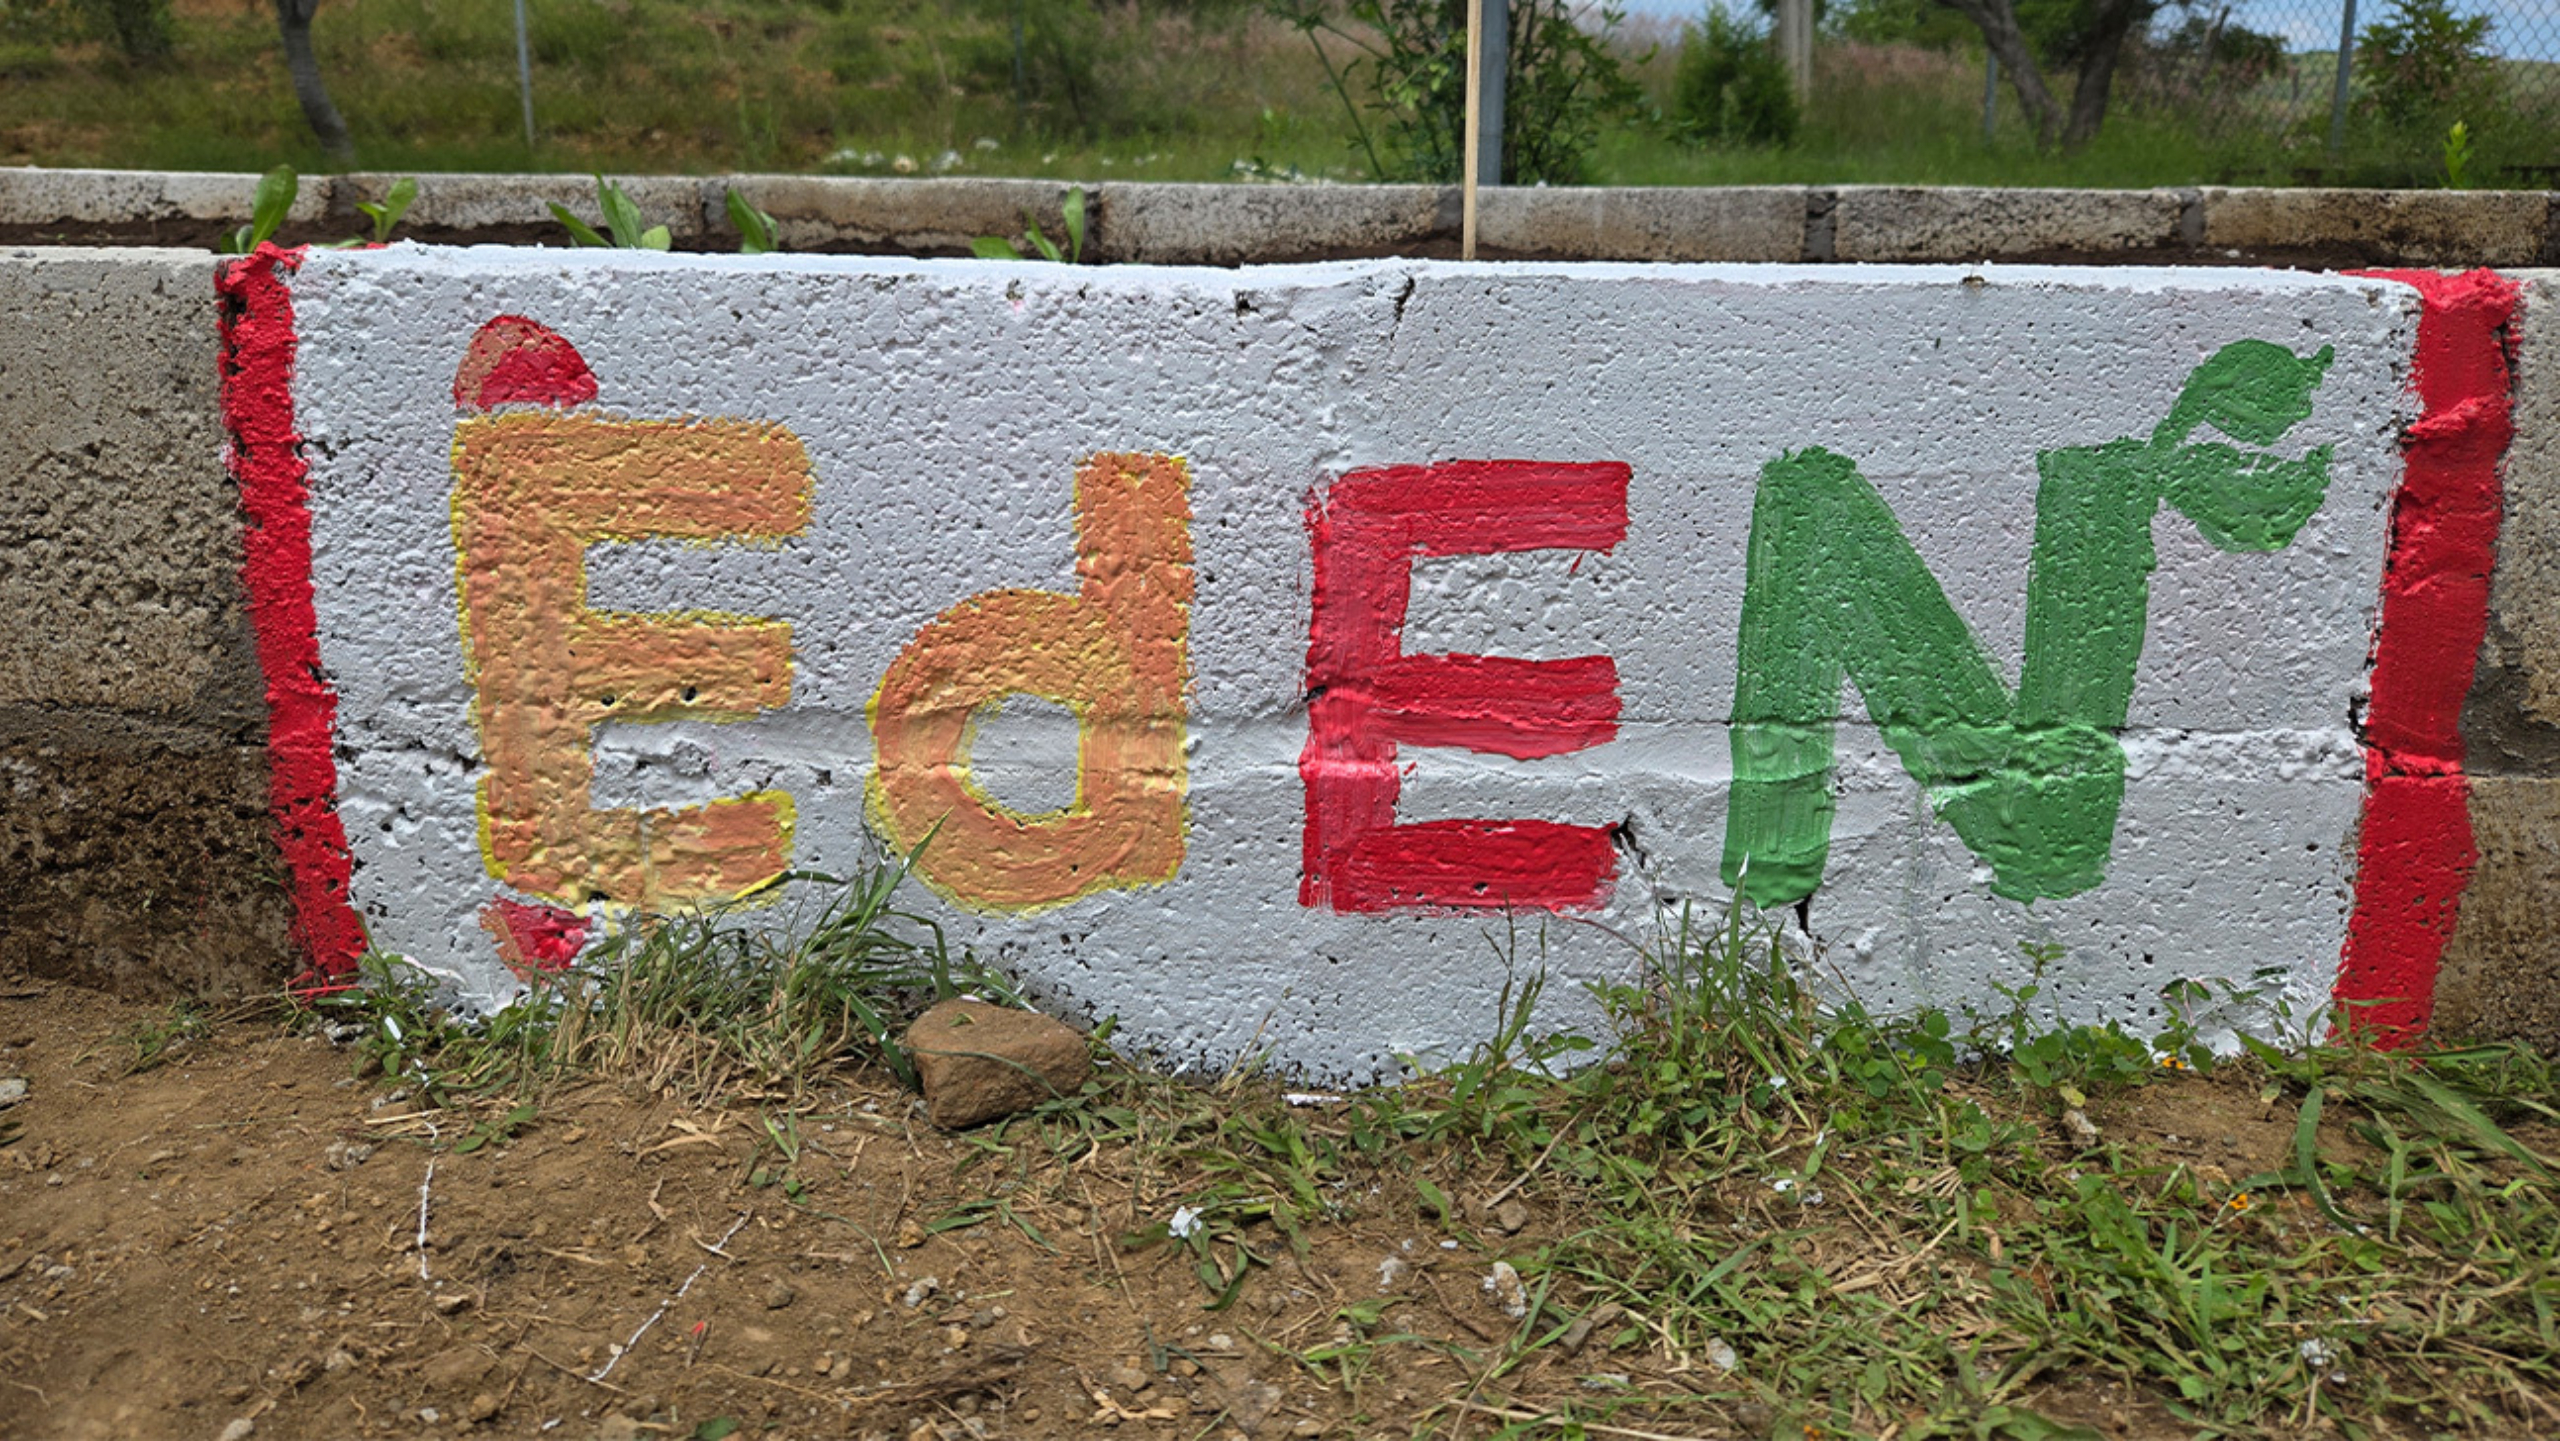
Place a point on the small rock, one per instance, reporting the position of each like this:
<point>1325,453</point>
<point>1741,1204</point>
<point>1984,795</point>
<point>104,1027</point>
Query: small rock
<point>452,1302</point>
<point>1578,1335</point>
<point>1221,1341</point>
<point>979,1062</point>
<point>1251,1404</point>
<point>1186,1368</point>
<point>1504,1288</point>
<point>922,1290</point>
<point>1510,1217</point>
<point>910,1234</point>
<point>1130,1379</point>
<point>1309,1427</point>
<point>482,1408</point>
<point>347,1155</point>
<point>13,1089</point>
<point>618,1427</point>
<point>2081,1127</point>
<point>1391,1271</point>
<point>430,1415</point>
<point>779,1295</point>
<point>240,1430</point>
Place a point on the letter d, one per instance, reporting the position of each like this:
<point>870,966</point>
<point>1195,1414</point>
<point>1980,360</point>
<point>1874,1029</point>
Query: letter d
<point>1116,654</point>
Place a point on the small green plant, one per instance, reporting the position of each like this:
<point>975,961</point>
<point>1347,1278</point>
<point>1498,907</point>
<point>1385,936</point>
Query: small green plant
<point>387,212</point>
<point>155,1042</point>
<point>1730,88</point>
<point>624,229</point>
<point>272,202</point>
<point>2424,60</point>
<point>756,230</point>
<point>1035,241</point>
<point>2457,157</point>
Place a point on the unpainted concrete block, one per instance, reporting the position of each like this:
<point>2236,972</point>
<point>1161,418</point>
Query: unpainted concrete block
<point>1953,223</point>
<point>817,212</point>
<point>2512,719</point>
<point>30,196</point>
<point>1238,224</point>
<point>119,532</point>
<point>2500,976</point>
<point>2342,228</point>
<point>1731,223</point>
<point>504,207</point>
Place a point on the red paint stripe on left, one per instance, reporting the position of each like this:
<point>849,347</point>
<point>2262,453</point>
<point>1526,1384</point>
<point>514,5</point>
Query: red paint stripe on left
<point>2416,853</point>
<point>265,458</point>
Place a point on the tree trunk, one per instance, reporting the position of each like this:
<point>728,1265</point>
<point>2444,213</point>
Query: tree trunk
<point>2115,20</point>
<point>293,17</point>
<point>1998,22</point>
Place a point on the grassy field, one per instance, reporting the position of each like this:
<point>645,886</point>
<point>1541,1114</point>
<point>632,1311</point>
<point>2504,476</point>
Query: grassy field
<point>927,87</point>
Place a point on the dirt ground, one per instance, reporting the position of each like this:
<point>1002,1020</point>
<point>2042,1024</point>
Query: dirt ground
<point>228,1245</point>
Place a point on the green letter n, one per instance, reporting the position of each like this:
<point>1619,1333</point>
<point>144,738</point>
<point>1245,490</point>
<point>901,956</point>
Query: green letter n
<point>2031,782</point>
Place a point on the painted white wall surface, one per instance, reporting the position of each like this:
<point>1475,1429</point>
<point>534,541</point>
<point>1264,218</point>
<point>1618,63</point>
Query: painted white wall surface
<point>946,405</point>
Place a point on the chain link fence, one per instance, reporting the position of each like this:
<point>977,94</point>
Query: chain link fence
<point>2366,91</point>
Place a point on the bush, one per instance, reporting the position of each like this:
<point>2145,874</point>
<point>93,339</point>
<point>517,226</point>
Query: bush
<point>1560,82</point>
<point>1731,88</point>
<point>2427,66</point>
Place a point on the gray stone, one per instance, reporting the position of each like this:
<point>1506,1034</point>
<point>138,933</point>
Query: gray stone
<point>453,207</point>
<point>32,197</point>
<point>1954,223</point>
<point>1237,224</point>
<point>2344,228</point>
<point>816,212</point>
<point>979,1062</point>
<point>1664,224</point>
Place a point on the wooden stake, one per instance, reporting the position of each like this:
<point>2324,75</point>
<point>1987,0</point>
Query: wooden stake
<point>1475,127</point>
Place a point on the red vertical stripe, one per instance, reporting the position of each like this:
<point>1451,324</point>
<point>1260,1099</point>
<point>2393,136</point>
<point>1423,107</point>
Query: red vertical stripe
<point>2416,853</point>
<point>265,458</point>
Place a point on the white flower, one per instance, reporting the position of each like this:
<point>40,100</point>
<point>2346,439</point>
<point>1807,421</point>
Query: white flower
<point>2317,1354</point>
<point>1185,1223</point>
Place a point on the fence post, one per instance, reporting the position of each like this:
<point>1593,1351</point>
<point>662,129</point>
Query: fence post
<point>2346,68</point>
<point>1494,61</point>
<point>524,74</point>
<point>1990,93</point>
<point>1795,45</point>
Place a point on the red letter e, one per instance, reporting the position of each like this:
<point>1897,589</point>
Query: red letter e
<point>1365,696</point>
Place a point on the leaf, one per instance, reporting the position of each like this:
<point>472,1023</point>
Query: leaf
<point>273,202</point>
<point>579,231</point>
<point>1048,249</point>
<point>656,237</point>
<point>755,228</point>
<point>2306,1160</point>
<point>1074,212</point>
<point>994,247</point>
<point>2251,390</point>
<point>621,217</point>
<point>394,206</point>
<point>718,1428</point>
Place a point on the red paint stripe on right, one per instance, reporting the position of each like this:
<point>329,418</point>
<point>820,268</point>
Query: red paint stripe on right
<point>265,458</point>
<point>2416,852</point>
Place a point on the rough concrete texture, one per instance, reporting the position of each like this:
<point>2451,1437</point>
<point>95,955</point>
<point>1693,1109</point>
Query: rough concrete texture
<point>30,196</point>
<point>502,207</point>
<point>1879,222</point>
<point>2453,228</point>
<point>922,217</point>
<point>2500,974</point>
<point>936,486</point>
<point>1234,224</point>
<point>1731,223</point>
<point>133,846</point>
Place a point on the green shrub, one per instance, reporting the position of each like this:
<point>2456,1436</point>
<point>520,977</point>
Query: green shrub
<point>2426,65</point>
<point>1731,88</point>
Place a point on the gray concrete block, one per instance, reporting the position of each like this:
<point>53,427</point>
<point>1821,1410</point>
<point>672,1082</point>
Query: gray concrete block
<point>2345,228</point>
<point>2500,975</point>
<point>2511,721</point>
<point>1731,223</point>
<point>1238,224</point>
<point>514,209</point>
<point>1951,223</point>
<point>134,841</point>
<point>817,212</point>
<point>36,197</point>
<point>119,531</point>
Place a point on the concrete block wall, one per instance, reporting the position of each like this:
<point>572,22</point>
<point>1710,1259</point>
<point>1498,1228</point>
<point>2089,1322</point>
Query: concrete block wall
<point>137,833</point>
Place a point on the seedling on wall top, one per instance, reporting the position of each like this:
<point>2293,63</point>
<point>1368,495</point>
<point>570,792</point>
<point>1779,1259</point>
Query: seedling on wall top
<point>1071,213</point>
<point>623,227</point>
<point>276,192</point>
